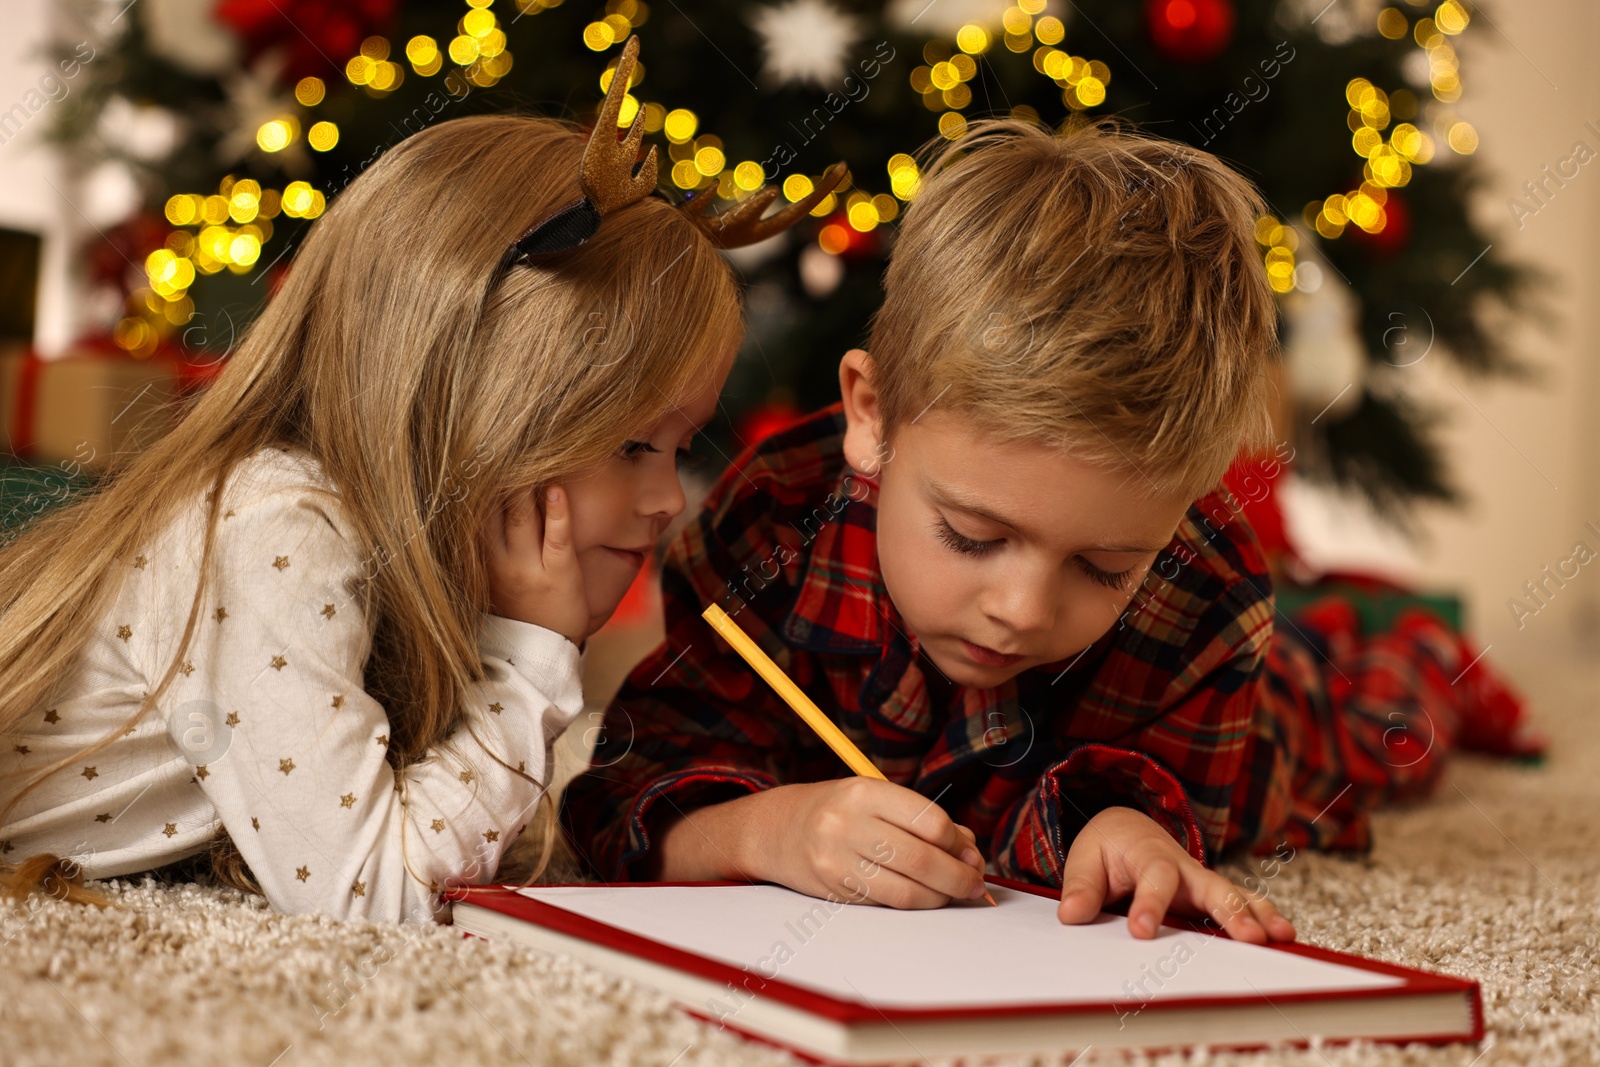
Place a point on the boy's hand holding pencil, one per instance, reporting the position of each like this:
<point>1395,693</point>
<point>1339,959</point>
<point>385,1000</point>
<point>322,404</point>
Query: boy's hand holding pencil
<point>864,838</point>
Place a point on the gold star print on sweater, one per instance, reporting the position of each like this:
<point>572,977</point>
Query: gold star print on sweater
<point>270,729</point>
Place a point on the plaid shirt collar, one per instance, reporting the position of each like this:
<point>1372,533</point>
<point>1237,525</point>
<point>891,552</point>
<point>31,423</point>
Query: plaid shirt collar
<point>843,608</point>
<point>843,605</point>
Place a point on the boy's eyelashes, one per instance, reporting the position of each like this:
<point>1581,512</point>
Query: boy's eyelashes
<point>1118,580</point>
<point>961,543</point>
<point>968,547</point>
<point>632,450</point>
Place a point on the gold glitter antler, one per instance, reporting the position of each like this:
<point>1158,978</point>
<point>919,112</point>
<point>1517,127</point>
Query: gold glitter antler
<point>743,225</point>
<point>611,174</point>
<point>611,178</point>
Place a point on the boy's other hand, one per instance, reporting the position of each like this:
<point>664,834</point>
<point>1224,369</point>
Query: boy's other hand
<point>1121,849</point>
<point>866,841</point>
<point>534,575</point>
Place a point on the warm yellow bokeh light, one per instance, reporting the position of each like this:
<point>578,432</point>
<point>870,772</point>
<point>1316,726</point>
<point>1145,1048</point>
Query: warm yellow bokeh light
<point>422,50</point>
<point>274,136</point>
<point>1392,23</point>
<point>1462,138</point>
<point>972,39</point>
<point>309,91</point>
<point>323,136</point>
<point>679,125</point>
<point>709,161</point>
<point>1451,17</point>
<point>748,175</point>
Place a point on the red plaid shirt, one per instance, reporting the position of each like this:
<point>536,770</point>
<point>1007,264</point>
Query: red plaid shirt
<point>1164,713</point>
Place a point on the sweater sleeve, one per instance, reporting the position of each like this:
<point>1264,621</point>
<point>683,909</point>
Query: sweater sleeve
<point>303,784</point>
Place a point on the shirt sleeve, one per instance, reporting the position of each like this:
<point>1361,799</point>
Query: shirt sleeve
<point>304,786</point>
<point>693,725</point>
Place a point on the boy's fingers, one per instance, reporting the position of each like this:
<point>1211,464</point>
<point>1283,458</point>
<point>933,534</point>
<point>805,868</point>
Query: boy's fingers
<point>1231,906</point>
<point>927,864</point>
<point>971,854</point>
<point>1157,884</point>
<point>921,816</point>
<point>891,890</point>
<point>1273,921</point>
<point>1084,884</point>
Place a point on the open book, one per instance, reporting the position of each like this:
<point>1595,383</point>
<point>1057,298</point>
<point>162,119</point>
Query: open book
<point>851,984</point>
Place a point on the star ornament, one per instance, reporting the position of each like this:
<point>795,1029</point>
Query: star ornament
<point>804,41</point>
<point>254,99</point>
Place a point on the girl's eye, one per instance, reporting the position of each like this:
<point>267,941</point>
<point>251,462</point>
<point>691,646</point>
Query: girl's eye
<point>965,545</point>
<point>1106,578</point>
<point>686,460</point>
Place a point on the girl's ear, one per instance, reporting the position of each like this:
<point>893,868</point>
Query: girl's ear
<point>863,435</point>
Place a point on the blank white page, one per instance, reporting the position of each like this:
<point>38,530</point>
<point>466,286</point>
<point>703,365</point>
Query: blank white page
<point>960,955</point>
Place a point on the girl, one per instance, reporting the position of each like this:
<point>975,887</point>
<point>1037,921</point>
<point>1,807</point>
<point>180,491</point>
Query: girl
<point>326,630</point>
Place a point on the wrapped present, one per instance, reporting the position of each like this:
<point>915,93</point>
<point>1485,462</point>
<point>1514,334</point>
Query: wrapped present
<point>79,409</point>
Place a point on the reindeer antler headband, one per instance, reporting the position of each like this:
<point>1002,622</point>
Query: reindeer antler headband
<point>612,176</point>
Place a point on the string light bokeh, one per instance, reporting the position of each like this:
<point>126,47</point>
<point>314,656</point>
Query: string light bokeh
<point>1391,131</point>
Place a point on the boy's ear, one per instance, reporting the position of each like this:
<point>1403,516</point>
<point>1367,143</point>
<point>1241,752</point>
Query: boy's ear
<point>864,425</point>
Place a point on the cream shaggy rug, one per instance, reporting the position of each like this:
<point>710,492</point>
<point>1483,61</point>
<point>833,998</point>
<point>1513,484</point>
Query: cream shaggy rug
<point>1495,879</point>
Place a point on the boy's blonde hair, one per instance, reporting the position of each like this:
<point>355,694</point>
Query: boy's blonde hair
<point>432,384</point>
<point>1098,290</point>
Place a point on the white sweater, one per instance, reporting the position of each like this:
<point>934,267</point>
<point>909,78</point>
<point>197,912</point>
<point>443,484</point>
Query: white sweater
<point>267,729</point>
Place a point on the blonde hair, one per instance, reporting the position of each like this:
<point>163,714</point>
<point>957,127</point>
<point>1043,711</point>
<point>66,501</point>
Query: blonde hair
<point>400,353</point>
<point>1097,289</point>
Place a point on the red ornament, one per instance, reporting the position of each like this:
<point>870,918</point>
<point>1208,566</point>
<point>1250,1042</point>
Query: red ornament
<point>1389,240</point>
<point>840,238</point>
<point>766,420</point>
<point>316,36</point>
<point>1190,31</point>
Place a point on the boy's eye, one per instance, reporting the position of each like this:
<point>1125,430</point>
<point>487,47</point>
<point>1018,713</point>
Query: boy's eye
<point>688,461</point>
<point>1106,578</point>
<point>963,544</point>
<point>969,547</point>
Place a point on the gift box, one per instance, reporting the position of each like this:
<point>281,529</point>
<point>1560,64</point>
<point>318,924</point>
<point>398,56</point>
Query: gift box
<point>79,409</point>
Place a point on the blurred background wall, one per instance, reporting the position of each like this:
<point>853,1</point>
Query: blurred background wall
<point>1530,457</point>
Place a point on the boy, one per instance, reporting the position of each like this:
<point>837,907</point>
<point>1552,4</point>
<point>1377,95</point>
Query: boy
<point>1004,566</point>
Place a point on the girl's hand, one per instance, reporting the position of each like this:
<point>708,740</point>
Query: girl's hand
<point>533,570</point>
<point>1121,849</point>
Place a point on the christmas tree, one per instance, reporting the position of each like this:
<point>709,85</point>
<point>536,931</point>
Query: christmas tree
<point>237,121</point>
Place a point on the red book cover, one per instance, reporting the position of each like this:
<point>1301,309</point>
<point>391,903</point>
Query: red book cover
<point>852,1012</point>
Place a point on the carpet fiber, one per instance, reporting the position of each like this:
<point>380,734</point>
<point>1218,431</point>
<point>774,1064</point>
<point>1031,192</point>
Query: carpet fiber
<point>1496,878</point>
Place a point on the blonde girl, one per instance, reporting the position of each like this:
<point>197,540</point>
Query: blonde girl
<point>326,630</point>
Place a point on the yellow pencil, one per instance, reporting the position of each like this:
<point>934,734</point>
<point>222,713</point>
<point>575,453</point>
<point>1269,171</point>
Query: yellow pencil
<point>802,704</point>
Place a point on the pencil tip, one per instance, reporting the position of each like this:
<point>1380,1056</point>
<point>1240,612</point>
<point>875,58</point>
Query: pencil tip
<point>990,899</point>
